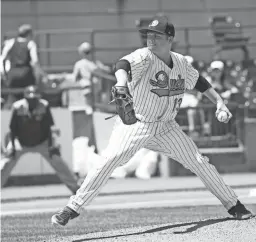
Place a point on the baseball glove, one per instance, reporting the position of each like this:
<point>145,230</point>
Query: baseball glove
<point>124,104</point>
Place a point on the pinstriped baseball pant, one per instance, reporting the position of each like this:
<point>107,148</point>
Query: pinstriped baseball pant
<point>164,137</point>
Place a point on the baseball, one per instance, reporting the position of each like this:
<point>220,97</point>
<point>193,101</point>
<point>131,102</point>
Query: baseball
<point>222,116</point>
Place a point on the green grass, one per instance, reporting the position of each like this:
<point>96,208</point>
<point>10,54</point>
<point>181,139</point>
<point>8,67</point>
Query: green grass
<point>38,228</point>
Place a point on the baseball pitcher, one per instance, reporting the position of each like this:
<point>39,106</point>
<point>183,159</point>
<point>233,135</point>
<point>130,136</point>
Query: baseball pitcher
<point>151,83</point>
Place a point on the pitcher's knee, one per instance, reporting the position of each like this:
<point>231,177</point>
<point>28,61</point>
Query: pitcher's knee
<point>199,161</point>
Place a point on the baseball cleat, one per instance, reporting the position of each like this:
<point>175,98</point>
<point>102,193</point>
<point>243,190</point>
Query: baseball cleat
<point>63,216</point>
<point>240,212</point>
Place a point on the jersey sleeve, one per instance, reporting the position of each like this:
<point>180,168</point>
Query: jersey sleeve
<point>139,61</point>
<point>191,76</point>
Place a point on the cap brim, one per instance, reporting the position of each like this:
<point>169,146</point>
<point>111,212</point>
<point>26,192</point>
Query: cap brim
<point>145,31</point>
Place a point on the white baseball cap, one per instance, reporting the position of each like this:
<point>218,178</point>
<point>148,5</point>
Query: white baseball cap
<point>84,47</point>
<point>217,65</point>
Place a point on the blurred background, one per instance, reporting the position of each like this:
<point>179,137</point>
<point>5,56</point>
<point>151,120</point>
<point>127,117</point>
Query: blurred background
<point>88,36</point>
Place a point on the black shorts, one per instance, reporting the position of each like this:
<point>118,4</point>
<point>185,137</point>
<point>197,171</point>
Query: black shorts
<point>19,77</point>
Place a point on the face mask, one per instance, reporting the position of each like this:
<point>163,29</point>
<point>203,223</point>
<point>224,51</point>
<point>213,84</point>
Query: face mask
<point>32,102</point>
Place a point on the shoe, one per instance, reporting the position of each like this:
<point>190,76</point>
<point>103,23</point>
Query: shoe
<point>63,216</point>
<point>240,212</point>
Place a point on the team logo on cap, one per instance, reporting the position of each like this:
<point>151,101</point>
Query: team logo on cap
<point>154,23</point>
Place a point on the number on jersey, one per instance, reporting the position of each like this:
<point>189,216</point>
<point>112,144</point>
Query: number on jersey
<point>177,103</point>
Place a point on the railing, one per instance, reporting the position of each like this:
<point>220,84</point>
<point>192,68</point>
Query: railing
<point>49,51</point>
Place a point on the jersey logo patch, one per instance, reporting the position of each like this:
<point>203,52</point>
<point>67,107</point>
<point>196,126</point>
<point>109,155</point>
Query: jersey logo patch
<point>167,87</point>
<point>161,80</point>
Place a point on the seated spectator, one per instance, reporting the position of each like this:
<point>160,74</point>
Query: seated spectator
<point>218,80</point>
<point>32,130</point>
<point>20,65</point>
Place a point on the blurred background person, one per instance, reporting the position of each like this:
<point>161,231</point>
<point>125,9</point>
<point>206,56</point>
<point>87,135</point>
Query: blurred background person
<point>19,61</point>
<point>142,165</point>
<point>82,74</point>
<point>217,78</point>
<point>32,130</point>
<point>84,157</point>
<point>190,101</point>
<point>225,87</point>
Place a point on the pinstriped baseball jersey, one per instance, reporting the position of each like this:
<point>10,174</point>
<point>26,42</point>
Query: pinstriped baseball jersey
<point>157,92</point>
<point>156,88</point>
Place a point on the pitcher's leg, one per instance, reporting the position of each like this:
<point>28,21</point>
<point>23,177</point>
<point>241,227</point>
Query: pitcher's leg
<point>186,152</point>
<point>125,141</point>
<point>95,179</point>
